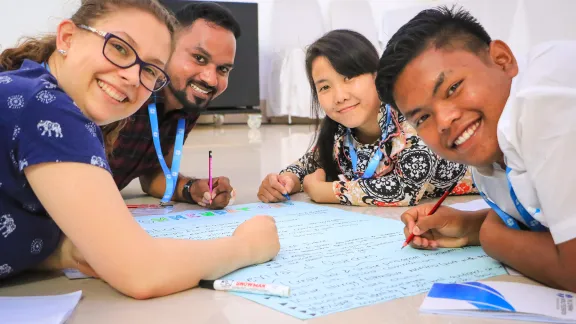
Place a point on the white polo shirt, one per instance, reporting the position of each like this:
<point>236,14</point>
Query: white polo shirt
<point>537,133</point>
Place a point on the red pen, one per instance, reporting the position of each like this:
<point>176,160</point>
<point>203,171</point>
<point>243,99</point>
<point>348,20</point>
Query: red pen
<point>432,211</point>
<point>210,174</point>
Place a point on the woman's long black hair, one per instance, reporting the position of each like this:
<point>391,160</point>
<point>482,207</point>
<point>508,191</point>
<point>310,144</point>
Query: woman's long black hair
<point>350,54</point>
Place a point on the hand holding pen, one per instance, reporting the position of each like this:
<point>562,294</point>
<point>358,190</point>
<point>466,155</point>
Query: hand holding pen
<point>277,187</point>
<point>222,192</point>
<point>419,216</point>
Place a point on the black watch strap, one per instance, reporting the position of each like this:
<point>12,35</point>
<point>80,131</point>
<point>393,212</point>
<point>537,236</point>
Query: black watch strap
<point>186,191</point>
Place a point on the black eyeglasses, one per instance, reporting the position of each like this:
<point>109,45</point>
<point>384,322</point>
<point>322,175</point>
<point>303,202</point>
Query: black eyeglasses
<point>120,53</point>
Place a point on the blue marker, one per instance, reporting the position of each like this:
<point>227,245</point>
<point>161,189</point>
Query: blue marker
<point>287,196</point>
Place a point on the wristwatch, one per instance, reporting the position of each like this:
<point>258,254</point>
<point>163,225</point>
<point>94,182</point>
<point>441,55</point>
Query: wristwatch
<point>186,191</point>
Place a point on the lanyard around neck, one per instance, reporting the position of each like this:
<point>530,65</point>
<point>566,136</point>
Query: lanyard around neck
<point>376,156</point>
<point>530,221</point>
<point>170,175</point>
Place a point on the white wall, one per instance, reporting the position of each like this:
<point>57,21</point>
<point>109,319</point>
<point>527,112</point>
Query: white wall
<point>519,38</point>
<point>31,17</point>
<point>43,15</point>
<point>265,8</point>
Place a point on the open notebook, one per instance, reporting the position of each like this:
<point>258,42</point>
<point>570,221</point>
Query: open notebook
<point>502,300</point>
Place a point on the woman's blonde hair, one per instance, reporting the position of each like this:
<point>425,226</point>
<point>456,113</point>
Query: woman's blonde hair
<point>39,49</point>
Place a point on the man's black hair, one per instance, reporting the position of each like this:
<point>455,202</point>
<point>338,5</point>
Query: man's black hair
<point>441,27</point>
<point>211,12</point>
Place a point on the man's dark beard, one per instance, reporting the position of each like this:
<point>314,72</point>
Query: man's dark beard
<point>188,106</point>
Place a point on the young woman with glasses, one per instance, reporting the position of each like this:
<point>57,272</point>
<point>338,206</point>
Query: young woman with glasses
<point>59,206</point>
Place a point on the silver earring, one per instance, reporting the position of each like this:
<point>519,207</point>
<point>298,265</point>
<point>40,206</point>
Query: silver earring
<point>61,51</point>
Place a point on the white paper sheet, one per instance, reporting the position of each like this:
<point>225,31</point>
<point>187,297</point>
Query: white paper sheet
<point>38,309</point>
<point>75,274</point>
<point>471,205</point>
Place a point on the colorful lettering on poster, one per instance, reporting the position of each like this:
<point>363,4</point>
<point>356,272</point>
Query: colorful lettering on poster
<point>211,213</point>
<point>159,220</point>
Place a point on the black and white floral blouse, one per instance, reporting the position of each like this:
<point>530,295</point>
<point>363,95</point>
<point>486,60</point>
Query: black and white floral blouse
<point>407,172</point>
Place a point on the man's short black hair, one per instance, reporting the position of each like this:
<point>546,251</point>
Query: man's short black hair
<point>441,27</point>
<point>211,12</point>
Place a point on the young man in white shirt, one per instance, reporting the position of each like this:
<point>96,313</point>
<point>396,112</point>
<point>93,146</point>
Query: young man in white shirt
<point>471,103</point>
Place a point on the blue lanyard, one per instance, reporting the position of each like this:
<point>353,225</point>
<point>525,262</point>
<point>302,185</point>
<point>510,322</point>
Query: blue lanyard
<point>171,175</point>
<point>376,156</point>
<point>532,223</point>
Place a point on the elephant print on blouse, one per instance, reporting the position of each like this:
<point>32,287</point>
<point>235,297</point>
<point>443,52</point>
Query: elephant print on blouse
<point>7,225</point>
<point>47,127</point>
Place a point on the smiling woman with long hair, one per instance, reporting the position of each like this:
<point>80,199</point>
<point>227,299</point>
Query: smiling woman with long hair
<point>59,205</point>
<point>365,153</point>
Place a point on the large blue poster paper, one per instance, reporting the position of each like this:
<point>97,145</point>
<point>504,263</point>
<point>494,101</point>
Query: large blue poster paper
<point>332,260</point>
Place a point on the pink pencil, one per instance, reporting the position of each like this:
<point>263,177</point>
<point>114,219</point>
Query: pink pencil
<point>210,174</point>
